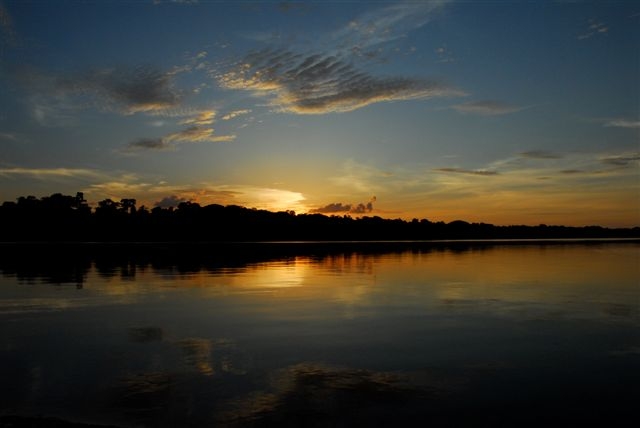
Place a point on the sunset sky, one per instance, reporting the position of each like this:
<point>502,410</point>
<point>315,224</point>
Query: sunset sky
<point>505,112</point>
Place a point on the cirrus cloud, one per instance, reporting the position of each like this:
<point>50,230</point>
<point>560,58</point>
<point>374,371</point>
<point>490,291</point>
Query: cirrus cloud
<point>235,113</point>
<point>124,90</point>
<point>47,173</point>
<point>623,123</point>
<point>318,84</point>
<point>539,154</point>
<point>205,117</point>
<point>198,131</point>
<point>198,134</point>
<point>466,171</point>
<point>385,24</point>
<point>486,108</point>
<point>141,89</point>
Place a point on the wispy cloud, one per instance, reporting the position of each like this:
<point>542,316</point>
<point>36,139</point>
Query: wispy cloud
<point>47,173</point>
<point>623,160</point>
<point>98,185</point>
<point>385,24</point>
<point>8,136</point>
<point>125,90</point>
<point>198,134</point>
<point>361,178</point>
<point>226,194</point>
<point>317,84</point>
<point>594,28</point>
<point>142,89</point>
<point>205,117</point>
<point>151,193</point>
<point>549,163</point>
<point>487,108</point>
<point>198,131</point>
<point>466,171</point>
<point>329,80</point>
<point>444,54</point>
<point>235,113</point>
<point>623,123</point>
<point>193,134</point>
<point>539,154</point>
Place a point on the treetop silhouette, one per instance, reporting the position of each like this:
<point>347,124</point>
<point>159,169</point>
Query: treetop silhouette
<point>67,218</point>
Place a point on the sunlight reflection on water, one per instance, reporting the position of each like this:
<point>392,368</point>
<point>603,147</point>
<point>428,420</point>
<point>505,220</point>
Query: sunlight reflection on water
<point>327,337</point>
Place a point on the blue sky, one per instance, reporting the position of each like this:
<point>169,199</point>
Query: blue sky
<point>503,112</point>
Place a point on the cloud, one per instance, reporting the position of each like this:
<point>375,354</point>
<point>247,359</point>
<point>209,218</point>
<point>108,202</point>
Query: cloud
<point>362,208</point>
<point>466,171</point>
<point>317,84</point>
<point>571,171</point>
<point>550,164</point>
<point>539,154</point>
<point>150,193</point>
<point>125,90</point>
<point>193,134</point>
<point>149,144</point>
<point>164,194</point>
<point>235,113</point>
<point>169,201</point>
<point>8,136</point>
<point>142,89</point>
<point>595,28</point>
<point>486,108</point>
<point>361,178</point>
<point>47,173</point>
<point>386,24</point>
<point>270,198</point>
<point>338,207</point>
<point>444,55</point>
<point>205,117</point>
<point>198,134</point>
<point>629,159</point>
<point>623,123</point>
<point>329,81</point>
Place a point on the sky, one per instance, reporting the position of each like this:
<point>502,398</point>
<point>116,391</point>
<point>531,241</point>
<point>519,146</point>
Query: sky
<point>503,112</point>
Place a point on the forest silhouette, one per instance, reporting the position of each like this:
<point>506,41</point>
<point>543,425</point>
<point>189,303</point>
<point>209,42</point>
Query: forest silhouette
<point>65,218</point>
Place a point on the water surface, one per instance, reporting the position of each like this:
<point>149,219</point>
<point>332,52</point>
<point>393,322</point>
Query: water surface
<point>478,335</point>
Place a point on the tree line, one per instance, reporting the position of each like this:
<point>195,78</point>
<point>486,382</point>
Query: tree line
<point>61,217</point>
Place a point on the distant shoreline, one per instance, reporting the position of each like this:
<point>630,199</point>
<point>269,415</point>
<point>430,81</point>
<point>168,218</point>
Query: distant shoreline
<point>60,248</point>
<point>64,219</point>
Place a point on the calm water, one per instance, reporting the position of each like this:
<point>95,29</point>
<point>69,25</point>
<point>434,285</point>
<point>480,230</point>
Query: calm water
<point>500,335</point>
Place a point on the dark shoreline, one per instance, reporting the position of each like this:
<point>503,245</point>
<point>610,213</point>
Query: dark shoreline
<point>319,243</point>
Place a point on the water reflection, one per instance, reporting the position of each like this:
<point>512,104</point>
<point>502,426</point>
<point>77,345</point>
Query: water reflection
<point>310,394</point>
<point>323,336</point>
